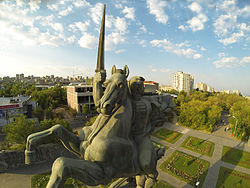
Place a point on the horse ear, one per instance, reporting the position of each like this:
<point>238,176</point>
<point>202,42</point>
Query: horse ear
<point>113,70</point>
<point>126,70</point>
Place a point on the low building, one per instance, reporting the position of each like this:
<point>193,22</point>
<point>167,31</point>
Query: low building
<point>204,87</point>
<point>79,95</point>
<point>236,91</point>
<point>166,88</point>
<point>227,91</point>
<point>150,86</point>
<point>11,107</point>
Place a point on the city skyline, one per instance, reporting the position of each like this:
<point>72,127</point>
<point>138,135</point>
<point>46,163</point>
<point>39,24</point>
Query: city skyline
<point>155,38</point>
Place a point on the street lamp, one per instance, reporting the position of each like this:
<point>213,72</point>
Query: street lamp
<point>236,124</point>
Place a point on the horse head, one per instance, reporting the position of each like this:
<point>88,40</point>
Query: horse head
<point>116,90</point>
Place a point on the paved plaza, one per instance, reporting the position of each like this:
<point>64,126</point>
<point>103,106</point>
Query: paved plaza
<point>220,139</point>
<point>21,177</point>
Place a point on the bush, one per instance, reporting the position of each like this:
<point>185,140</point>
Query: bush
<point>48,123</point>
<point>85,109</point>
<point>91,121</point>
<point>19,129</point>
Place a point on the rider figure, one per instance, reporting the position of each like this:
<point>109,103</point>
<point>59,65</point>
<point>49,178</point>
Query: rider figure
<point>141,129</point>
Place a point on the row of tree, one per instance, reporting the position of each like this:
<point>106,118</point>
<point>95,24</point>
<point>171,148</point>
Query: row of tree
<point>202,110</point>
<point>20,128</point>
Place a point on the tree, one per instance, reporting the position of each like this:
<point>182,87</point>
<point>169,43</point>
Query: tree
<point>19,129</point>
<point>48,123</point>
<point>85,109</point>
<point>240,115</point>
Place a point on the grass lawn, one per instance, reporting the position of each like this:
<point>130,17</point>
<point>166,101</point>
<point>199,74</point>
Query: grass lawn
<point>199,145</point>
<point>167,135</point>
<point>162,184</point>
<point>186,167</point>
<point>158,145</point>
<point>232,179</point>
<point>41,180</point>
<point>236,157</point>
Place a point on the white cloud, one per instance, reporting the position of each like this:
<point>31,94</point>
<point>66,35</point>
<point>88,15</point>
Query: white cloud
<point>82,26</point>
<point>117,24</point>
<point>195,7</point>
<point>120,51</point>
<point>197,23</point>
<point>183,28</point>
<point>15,16</point>
<point>227,62</point>
<point>229,26</point>
<point>235,37</point>
<point>71,39</point>
<point>142,43</point>
<point>96,13</point>
<point>245,60</point>
<point>53,6</point>
<point>66,11</point>
<point>224,23</point>
<point>156,7</point>
<point>221,54</point>
<point>118,6</point>
<point>57,26</point>
<point>34,5</point>
<point>120,24</point>
<point>143,28</point>
<point>176,48</point>
<point>88,41</point>
<point>129,12</point>
<point>81,3</point>
<point>45,20</point>
<point>203,49</point>
<point>113,39</point>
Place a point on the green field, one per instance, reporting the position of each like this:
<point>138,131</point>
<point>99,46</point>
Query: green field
<point>236,157</point>
<point>41,180</point>
<point>199,145</point>
<point>186,167</point>
<point>167,135</point>
<point>158,145</point>
<point>232,179</point>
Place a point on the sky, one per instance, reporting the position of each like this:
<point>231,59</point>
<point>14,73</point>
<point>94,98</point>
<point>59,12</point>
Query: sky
<point>209,39</point>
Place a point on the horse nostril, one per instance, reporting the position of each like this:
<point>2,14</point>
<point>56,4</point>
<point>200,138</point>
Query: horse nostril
<point>107,107</point>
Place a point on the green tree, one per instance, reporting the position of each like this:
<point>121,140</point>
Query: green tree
<point>19,129</point>
<point>240,114</point>
<point>48,123</point>
<point>85,109</point>
<point>91,121</point>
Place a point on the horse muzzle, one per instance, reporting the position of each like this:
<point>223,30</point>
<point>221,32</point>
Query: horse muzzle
<point>106,109</point>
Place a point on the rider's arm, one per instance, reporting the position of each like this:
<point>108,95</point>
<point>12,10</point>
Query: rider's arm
<point>99,78</point>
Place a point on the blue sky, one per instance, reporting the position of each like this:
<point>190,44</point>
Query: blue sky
<point>155,38</point>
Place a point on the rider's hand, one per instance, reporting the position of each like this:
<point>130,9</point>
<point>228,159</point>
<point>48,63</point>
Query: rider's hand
<point>100,77</point>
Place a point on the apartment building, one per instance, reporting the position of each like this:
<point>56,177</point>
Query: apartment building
<point>182,81</point>
<point>79,95</point>
<point>204,87</point>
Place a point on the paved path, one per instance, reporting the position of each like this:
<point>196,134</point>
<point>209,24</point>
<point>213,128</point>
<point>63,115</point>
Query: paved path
<point>215,160</point>
<point>21,177</point>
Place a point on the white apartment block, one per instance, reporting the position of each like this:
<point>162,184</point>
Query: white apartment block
<point>204,87</point>
<point>236,91</point>
<point>182,81</point>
